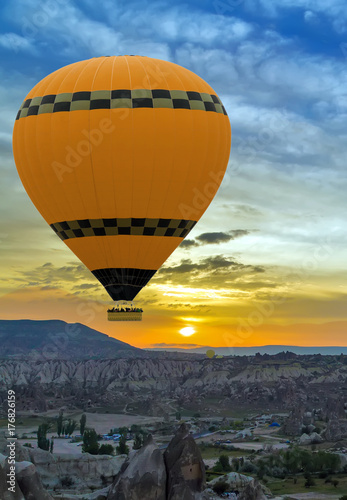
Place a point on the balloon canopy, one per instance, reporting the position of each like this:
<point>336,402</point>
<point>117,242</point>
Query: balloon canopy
<point>122,156</point>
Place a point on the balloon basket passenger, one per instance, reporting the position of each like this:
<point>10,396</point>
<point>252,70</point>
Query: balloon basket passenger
<point>124,312</point>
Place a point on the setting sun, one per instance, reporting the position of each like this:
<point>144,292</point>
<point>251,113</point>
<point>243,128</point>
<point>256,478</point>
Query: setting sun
<point>187,331</point>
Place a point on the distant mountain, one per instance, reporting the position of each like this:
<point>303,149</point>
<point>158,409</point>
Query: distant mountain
<point>57,340</point>
<point>264,349</point>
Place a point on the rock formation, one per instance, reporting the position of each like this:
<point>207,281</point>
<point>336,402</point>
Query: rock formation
<point>30,483</point>
<point>179,474</point>
<point>4,493</point>
<point>185,467</point>
<point>46,383</point>
<point>312,438</point>
<point>143,476</point>
<point>294,422</point>
<point>333,431</point>
<point>252,491</point>
<point>27,484</point>
<point>86,471</point>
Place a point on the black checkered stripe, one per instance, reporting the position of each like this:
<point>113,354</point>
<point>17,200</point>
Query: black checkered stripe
<point>113,99</point>
<point>114,227</point>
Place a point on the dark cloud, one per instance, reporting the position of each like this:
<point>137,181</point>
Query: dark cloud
<point>50,277</point>
<point>217,272</point>
<point>215,238</point>
<point>188,244</point>
<point>258,269</point>
<point>162,344</point>
<point>185,306</point>
<point>209,264</point>
<point>86,286</point>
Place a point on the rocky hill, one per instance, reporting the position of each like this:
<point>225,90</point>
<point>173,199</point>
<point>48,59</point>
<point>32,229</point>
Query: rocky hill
<point>146,474</point>
<point>53,364</point>
<point>281,381</point>
<point>47,340</point>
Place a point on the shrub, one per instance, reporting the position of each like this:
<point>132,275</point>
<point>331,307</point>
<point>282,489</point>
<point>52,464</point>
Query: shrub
<point>309,482</point>
<point>249,467</point>
<point>278,472</point>
<point>67,481</point>
<point>220,487</point>
<point>106,449</point>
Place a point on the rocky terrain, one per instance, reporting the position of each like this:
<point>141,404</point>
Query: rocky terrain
<point>147,474</point>
<point>270,382</point>
<point>51,364</point>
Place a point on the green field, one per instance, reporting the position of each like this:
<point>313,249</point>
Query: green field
<point>287,486</point>
<point>210,452</point>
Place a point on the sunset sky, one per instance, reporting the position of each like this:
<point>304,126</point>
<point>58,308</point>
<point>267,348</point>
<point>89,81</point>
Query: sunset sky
<point>267,262</point>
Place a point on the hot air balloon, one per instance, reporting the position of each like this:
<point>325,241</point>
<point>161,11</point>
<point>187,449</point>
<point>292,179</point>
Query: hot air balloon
<point>121,156</point>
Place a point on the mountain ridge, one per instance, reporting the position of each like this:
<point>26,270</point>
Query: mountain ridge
<point>270,349</point>
<point>56,339</point>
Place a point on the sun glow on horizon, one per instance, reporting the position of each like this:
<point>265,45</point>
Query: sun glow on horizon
<point>187,331</point>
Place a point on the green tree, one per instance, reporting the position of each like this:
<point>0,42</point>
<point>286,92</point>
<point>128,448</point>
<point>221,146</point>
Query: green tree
<point>106,449</point>
<point>135,429</point>
<point>90,442</point>
<point>51,446</point>
<point>70,426</point>
<point>122,448</point>
<point>261,469</point>
<point>123,431</point>
<point>235,464</point>
<point>223,461</point>
<point>42,441</point>
<point>83,421</point>
<point>60,423</point>
<point>178,415</point>
<point>309,481</point>
<point>137,442</point>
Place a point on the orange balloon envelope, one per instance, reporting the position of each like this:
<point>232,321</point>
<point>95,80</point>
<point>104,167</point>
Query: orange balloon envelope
<point>122,156</point>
